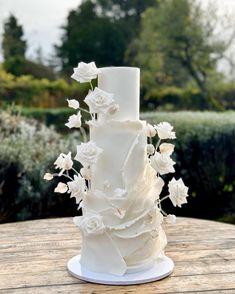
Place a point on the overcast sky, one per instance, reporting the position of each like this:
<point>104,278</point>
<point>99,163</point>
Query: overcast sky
<point>42,19</point>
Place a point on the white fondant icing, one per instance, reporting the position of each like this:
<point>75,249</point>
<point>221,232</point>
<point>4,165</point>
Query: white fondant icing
<point>121,225</point>
<point>124,83</point>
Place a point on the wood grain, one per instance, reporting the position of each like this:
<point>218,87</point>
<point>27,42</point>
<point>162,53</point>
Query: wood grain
<point>33,257</point>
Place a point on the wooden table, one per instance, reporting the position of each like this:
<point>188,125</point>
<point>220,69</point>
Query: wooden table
<point>33,258</point>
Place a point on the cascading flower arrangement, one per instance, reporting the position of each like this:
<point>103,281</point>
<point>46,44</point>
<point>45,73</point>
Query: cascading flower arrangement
<point>102,107</point>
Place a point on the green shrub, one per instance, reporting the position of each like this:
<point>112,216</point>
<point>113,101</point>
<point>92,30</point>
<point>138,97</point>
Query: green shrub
<point>205,155</point>
<point>222,97</point>
<point>30,92</point>
<point>28,150</point>
<point>55,117</point>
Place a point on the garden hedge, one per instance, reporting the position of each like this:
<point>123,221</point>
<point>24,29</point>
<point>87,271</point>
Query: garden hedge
<point>205,156</point>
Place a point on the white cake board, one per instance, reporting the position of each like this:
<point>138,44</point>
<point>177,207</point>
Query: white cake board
<point>161,269</point>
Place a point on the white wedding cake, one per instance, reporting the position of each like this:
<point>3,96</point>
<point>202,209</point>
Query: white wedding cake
<point>119,184</point>
<point>121,223</point>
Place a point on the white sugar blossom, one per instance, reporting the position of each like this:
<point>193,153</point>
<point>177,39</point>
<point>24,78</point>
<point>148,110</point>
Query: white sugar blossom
<point>99,101</point>
<point>77,188</point>
<point>167,148</point>
<point>120,212</point>
<point>177,192</point>
<point>90,225</point>
<point>164,130</point>
<point>85,172</point>
<point>113,109</point>
<point>150,149</point>
<point>85,72</point>
<point>48,176</point>
<point>170,219</point>
<point>61,188</point>
<point>64,162</point>
<point>72,103</point>
<point>88,153</point>
<point>151,132</point>
<point>162,163</point>
<point>74,121</point>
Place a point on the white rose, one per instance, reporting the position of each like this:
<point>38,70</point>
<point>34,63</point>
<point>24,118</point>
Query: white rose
<point>77,188</point>
<point>99,101</point>
<point>48,176</point>
<point>61,188</point>
<point>170,219</point>
<point>72,103</point>
<point>114,108</point>
<point>164,130</point>
<point>86,172</point>
<point>64,162</point>
<point>177,192</point>
<point>150,149</point>
<point>92,225</point>
<point>162,163</point>
<point>74,121</point>
<point>120,213</point>
<point>85,72</point>
<point>88,153</point>
<point>167,148</point>
<point>151,132</point>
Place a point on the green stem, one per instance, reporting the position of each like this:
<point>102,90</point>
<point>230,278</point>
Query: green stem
<point>158,143</point>
<point>91,86</point>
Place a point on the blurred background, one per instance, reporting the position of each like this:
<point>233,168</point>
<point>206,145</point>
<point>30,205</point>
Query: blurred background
<point>186,52</point>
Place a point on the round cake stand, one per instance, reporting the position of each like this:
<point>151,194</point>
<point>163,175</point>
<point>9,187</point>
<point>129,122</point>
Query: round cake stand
<point>161,269</point>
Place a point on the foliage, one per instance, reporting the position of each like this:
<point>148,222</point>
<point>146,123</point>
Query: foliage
<point>173,98</point>
<point>28,148</point>
<point>13,44</point>
<point>100,29</point>
<point>205,154</point>
<point>22,66</point>
<point>14,50</point>
<point>178,45</point>
<point>28,91</point>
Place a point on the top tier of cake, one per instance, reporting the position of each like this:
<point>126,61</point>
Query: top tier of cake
<point>124,83</point>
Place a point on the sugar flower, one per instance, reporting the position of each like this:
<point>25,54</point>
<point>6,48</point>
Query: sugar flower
<point>177,192</point>
<point>119,212</point>
<point>170,219</point>
<point>88,153</point>
<point>166,148</point>
<point>61,188</point>
<point>63,162</point>
<point>164,130</point>
<point>74,121</point>
<point>162,163</point>
<point>151,132</point>
<point>85,72</point>
<point>113,109</point>
<point>86,172</point>
<point>48,176</point>
<point>150,149</point>
<point>99,101</point>
<point>90,225</point>
<point>72,103</point>
<point>77,188</point>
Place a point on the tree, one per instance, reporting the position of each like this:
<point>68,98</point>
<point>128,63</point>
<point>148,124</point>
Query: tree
<point>178,44</point>
<point>13,43</point>
<point>100,30</point>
